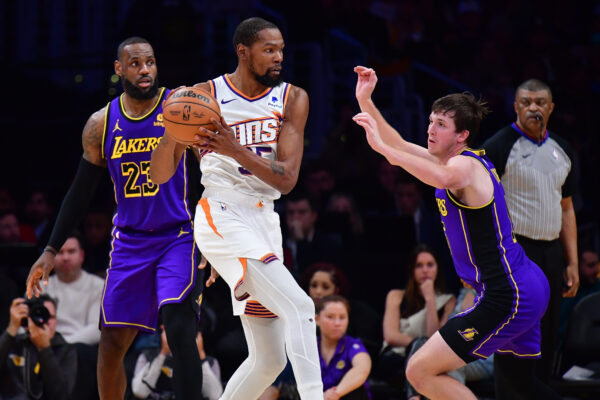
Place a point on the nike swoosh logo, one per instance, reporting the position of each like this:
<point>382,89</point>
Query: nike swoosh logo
<point>526,155</point>
<point>227,101</point>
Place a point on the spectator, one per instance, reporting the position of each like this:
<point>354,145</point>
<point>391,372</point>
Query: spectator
<point>325,279</point>
<point>536,170</point>
<point>319,183</point>
<point>413,314</point>
<point>345,363</point>
<point>38,213</point>
<point>305,243</point>
<point>96,231</point>
<point>39,347</point>
<point>78,294</point>
<point>153,374</point>
<point>590,283</point>
<point>10,231</point>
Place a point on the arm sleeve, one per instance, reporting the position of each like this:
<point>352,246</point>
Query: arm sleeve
<point>58,375</point>
<point>75,202</point>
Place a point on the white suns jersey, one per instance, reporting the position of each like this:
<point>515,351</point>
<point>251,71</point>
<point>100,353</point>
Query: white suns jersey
<point>256,122</point>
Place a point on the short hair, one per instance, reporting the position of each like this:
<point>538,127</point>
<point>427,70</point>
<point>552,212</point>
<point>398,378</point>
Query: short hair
<point>533,85</point>
<point>76,234</point>
<point>44,297</point>
<point>468,112</point>
<point>297,196</point>
<point>127,42</point>
<point>246,32</point>
<point>332,298</point>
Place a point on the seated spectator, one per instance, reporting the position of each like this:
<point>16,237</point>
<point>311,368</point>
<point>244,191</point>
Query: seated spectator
<point>153,374</point>
<point>38,213</point>
<point>96,231</point>
<point>589,283</point>
<point>78,294</point>
<point>324,279</point>
<point>37,364</point>
<point>17,248</point>
<point>413,315</point>
<point>345,363</point>
<point>304,243</point>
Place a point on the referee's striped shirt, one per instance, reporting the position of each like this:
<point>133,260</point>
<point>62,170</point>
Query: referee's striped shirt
<point>536,176</point>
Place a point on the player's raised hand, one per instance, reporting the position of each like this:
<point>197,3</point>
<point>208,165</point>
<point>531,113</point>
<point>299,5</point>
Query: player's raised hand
<point>370,126</point>
<point>40,270</point>
<point>365,84</point>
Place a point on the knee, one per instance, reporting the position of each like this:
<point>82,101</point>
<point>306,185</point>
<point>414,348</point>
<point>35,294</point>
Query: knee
<point>415,374</point>
<point>305,305</point>
<point>115,341</point>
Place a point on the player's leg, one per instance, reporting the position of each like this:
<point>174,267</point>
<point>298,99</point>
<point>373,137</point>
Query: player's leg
<point>266,359</point>
<point>274,287</point>
<point>179,287</point>
<point>114,343</point>
<point>426,371</point>
<point>180,321</point>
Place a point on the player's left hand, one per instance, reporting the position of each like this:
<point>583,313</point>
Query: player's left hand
<point>370,126</point>
<point>222,141</point>
<point>572,279</point>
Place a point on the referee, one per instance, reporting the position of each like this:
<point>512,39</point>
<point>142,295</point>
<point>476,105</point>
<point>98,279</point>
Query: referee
<point>536,169</point>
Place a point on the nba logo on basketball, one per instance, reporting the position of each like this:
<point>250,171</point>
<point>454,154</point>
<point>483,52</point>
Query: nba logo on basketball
<point>186,112</point>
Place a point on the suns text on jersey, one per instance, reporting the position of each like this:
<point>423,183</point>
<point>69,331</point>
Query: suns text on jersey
<point>261,130</point>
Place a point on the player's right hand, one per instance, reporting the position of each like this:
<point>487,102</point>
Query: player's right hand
<point>367,79</point>
<point>40,271</point>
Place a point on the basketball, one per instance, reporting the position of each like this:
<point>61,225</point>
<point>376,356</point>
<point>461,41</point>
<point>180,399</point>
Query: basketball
<point>188,109</point>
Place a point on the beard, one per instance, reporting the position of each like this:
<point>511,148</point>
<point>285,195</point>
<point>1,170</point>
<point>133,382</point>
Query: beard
<point>137,93</point>
<point>266,79</point>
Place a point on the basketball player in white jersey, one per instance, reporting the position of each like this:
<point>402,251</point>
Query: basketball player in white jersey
<point>253,157</point>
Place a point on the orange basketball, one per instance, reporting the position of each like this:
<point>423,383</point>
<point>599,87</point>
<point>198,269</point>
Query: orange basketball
<point>188,109</point>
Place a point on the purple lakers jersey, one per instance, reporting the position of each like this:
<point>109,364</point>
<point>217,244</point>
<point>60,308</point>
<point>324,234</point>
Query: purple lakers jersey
<point>480,238</point>
<point>127,147</point>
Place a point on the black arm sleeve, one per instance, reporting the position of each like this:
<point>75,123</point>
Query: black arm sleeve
<point>76,202</point>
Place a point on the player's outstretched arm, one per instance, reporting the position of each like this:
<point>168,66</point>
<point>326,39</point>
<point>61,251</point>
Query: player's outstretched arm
<point>365,84</point>
<point>281,173</point>
<point>165,159</point>
<point>76,201</point>
<point>456,174</point>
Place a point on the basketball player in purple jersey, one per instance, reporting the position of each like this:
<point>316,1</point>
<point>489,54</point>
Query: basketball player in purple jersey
<point>512,291</point>
<point>153,264</point>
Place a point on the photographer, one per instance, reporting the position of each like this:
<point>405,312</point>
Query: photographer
<point>38,364</point>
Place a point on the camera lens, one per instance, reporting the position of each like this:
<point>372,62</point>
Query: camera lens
<point>38,312</point>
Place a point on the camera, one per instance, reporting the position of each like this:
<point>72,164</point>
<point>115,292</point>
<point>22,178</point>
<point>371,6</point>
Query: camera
<point>38,312</point>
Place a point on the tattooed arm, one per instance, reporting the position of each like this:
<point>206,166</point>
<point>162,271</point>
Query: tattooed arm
<point>91,139</point>
<point>281,173</point>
